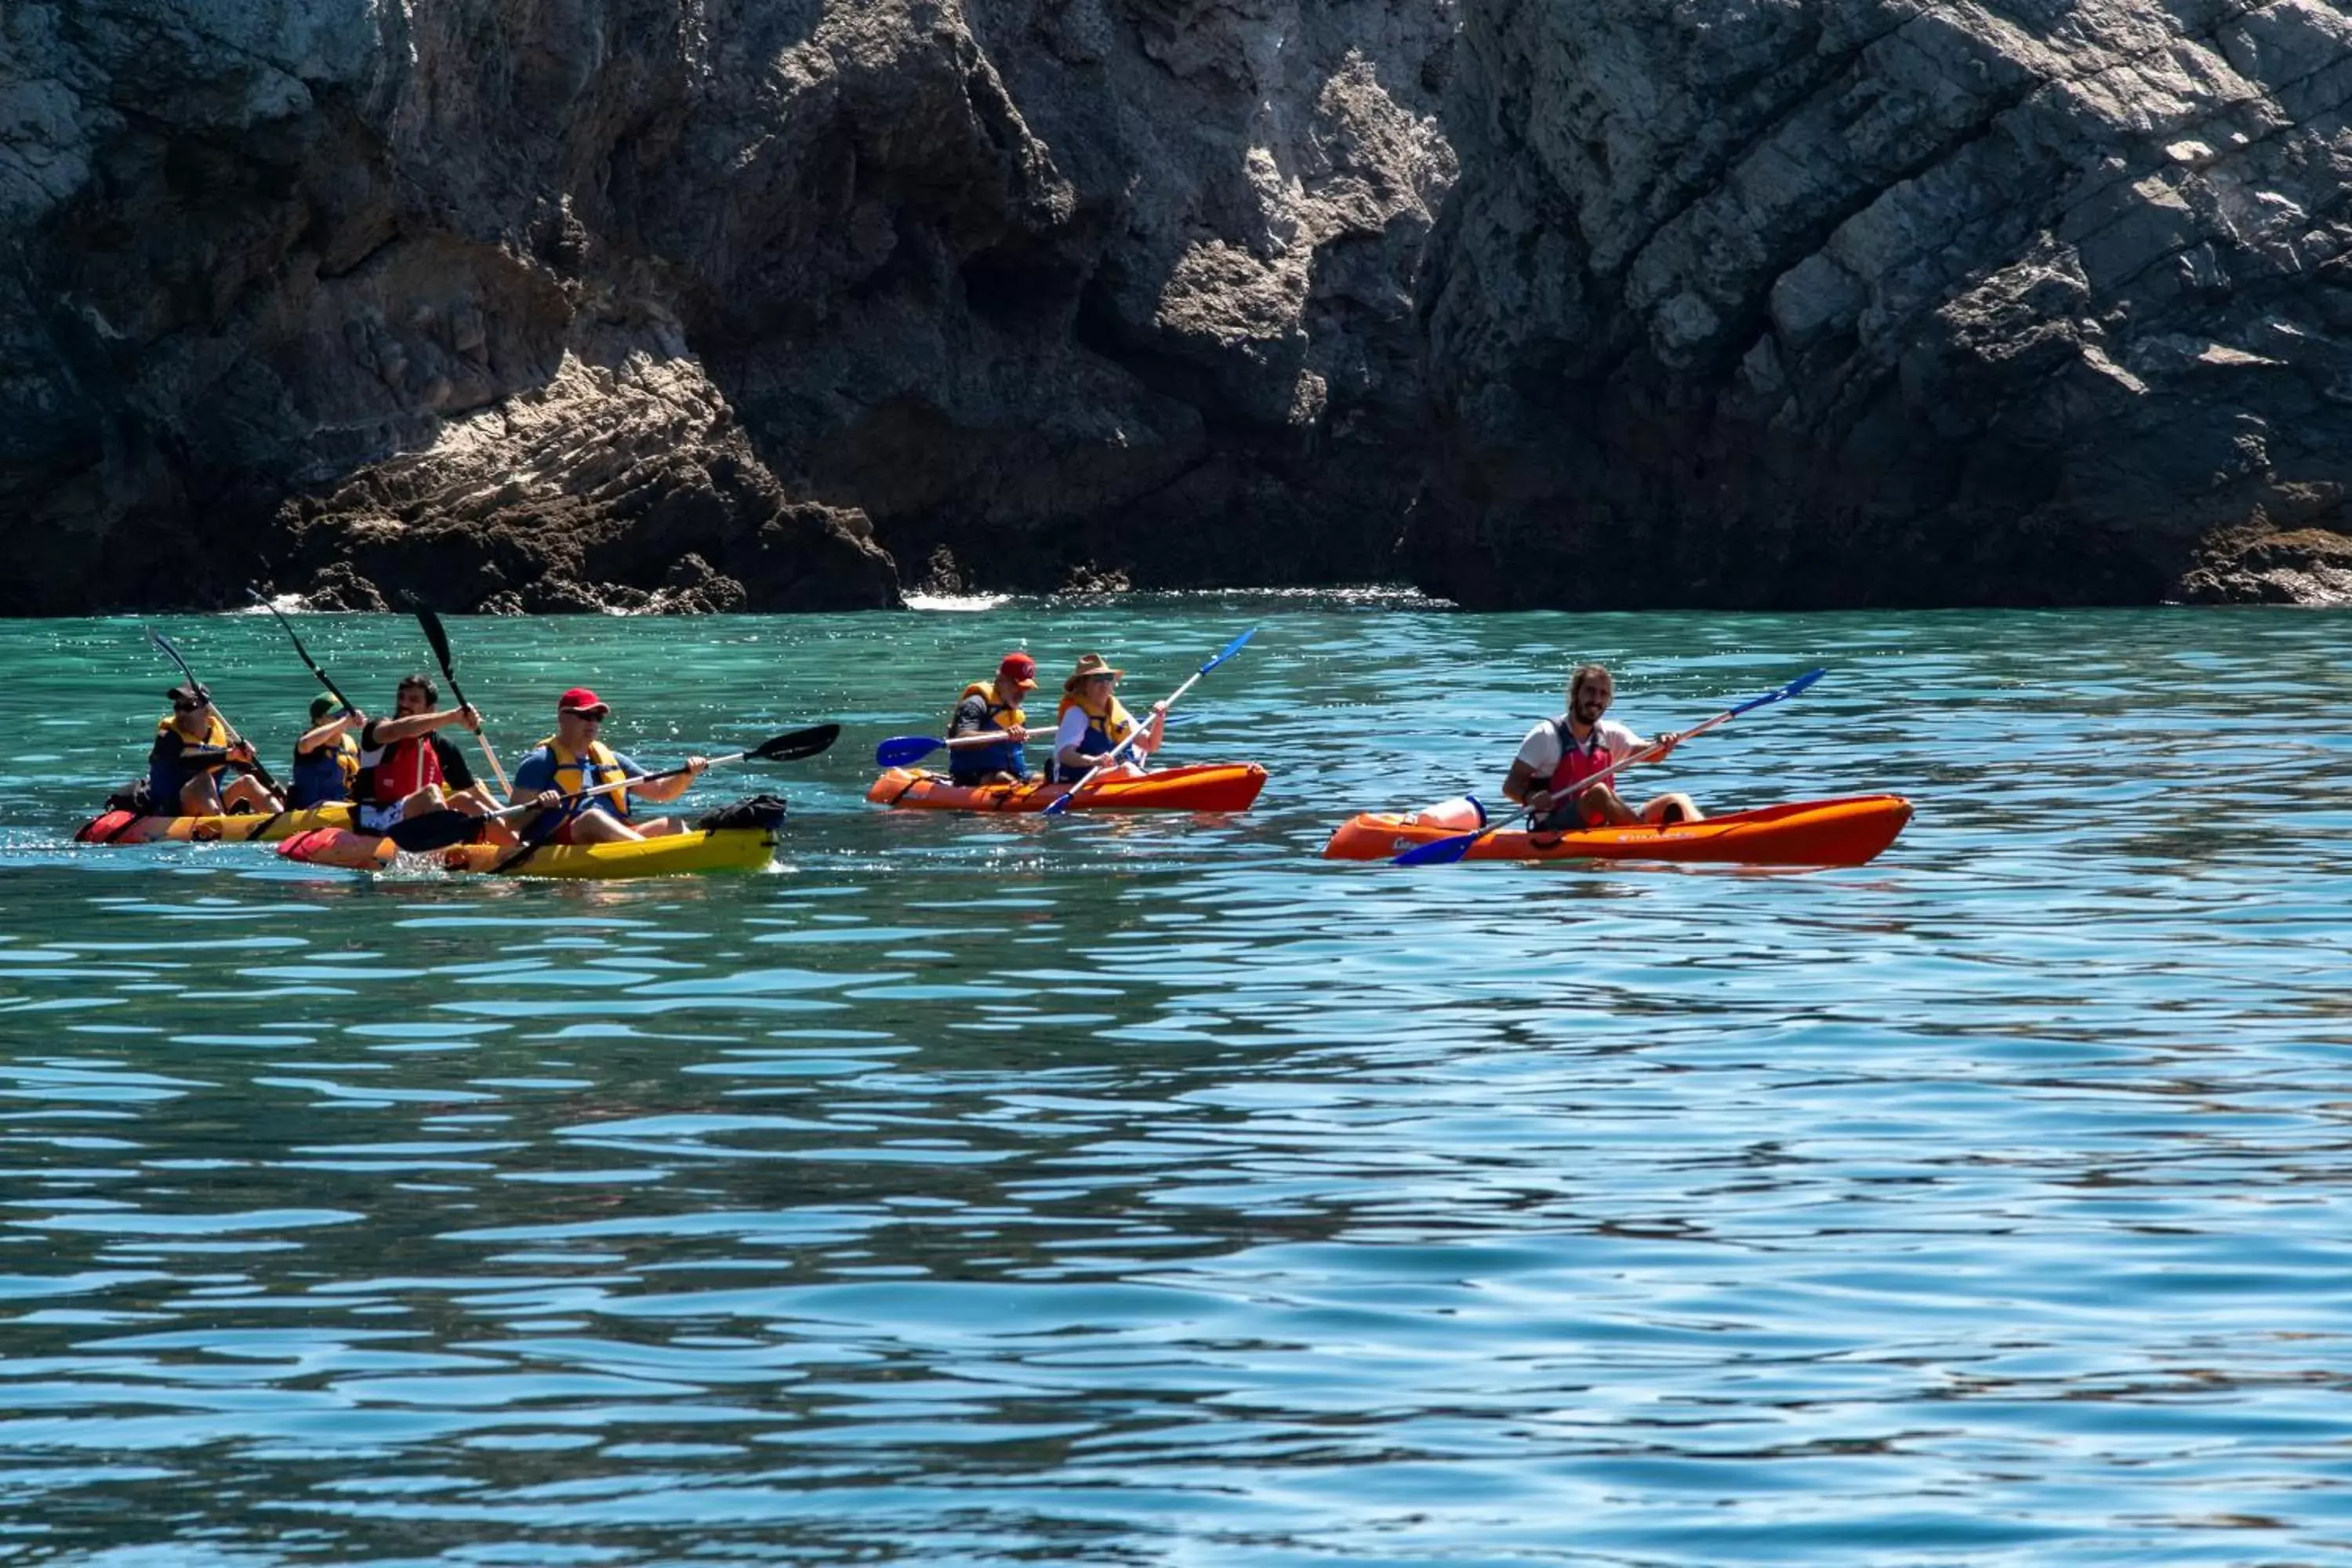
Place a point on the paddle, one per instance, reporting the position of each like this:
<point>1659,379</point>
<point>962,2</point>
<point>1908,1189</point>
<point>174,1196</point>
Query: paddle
<point>259,770</point>
<point>324,680</point>
<point>1446,852</point>
<point>900,749</point>
<point>1110,757</point>
<point>438,635</point>
<point>440,829</point>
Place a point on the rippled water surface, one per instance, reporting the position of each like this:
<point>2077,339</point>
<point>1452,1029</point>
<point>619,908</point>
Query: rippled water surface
<point>1149,1191</point>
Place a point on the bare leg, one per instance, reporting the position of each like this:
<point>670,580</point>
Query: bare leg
<point>1669,808</point>
<point>660,828</point>
<point>1602,802</point>
<point>429,798</point>
<point>250,792</point>
<point>599,828</point>
<point>477,802</point>
<point>200,796</point>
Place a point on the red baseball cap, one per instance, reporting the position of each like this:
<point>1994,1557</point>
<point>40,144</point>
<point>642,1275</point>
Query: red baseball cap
<point>580,700</point>
<point>1020,668</point>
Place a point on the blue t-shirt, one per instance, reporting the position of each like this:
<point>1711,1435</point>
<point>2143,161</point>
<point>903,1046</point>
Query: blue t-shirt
<point>537,772</point>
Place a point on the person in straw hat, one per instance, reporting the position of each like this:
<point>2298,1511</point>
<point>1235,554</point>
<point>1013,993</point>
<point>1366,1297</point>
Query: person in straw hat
<point>1092,722</point>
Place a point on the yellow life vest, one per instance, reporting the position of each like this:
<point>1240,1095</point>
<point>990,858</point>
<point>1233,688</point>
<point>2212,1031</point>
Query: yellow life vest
<point>1114,725</point>
<point>999,714</point>
<point>215,732</point>
<point>600,767</point>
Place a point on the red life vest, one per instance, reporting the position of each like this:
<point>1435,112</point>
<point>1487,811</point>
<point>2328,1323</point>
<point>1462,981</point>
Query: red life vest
<point>395,771</point>
<point>1578,764</point>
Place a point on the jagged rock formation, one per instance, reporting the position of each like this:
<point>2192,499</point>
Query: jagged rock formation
<point>1880,301</point>
<point>527,302</point>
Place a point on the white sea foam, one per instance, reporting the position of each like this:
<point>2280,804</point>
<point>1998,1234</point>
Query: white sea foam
<point>284,604</point>
<point>965,602</point>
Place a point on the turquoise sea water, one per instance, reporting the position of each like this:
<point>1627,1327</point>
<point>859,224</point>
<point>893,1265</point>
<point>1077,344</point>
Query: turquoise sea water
<point>1148,1190</point>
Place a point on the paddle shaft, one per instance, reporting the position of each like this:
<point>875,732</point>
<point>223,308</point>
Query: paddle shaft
<point>324,678</point>
<point>260,770</point>
<point>613,788</point>
<point>439,638</point>
<point>1648,754</point>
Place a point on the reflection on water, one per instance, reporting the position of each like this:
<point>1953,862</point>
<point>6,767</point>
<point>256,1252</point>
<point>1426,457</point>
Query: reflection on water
<point>1149,1190</point>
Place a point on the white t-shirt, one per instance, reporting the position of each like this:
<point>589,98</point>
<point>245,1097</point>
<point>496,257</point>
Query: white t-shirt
<point>1072,730</point>
<point>1540,749</point>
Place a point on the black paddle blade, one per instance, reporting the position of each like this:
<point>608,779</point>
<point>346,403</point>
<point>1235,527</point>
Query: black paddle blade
<point>165,643</point>
<point>434,830</point>
<point>436,633</point>
<point>800,743</point>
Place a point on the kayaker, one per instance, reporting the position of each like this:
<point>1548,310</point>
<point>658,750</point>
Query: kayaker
<point>988,729</point>
<point>406,769</point>
<point>1559,753</point>
<point>1092,722</point>
<point>326,757</point>
<point>574,759</point>
<point>193,748</point>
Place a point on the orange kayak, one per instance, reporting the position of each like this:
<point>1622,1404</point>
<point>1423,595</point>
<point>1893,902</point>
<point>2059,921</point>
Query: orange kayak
<point>1809,832</point>
<point>1216,787</point>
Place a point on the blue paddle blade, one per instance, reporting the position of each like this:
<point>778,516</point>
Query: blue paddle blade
<point>1788,691</point>
<point>1059,806</point>
<point>899,750</point>
<point>1231,648</point>
<point>1443,852</point>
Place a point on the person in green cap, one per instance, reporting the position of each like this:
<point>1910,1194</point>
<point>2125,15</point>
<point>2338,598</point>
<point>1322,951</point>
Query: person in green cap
<point>326,758</point>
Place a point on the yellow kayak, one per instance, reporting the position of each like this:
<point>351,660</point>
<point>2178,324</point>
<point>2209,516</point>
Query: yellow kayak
<point>722,849</point>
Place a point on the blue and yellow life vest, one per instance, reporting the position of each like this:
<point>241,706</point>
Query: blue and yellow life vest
<point>573,775</point>
<point>1105,731</point>
<point>166,780</point>
<point>324,773</point>
<point>971,762</point>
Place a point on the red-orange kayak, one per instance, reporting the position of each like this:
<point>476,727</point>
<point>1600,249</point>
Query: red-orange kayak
<point>1809,832</point>
<point>257,827</point>
<point>1216,787</point>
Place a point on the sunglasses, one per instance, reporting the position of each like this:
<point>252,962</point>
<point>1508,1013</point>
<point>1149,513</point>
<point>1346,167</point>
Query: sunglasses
<point>189,707</point>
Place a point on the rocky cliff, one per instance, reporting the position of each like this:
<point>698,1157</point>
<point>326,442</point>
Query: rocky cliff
<point>541,304</point>
<point>684,304</point>
<point>1883,301</point>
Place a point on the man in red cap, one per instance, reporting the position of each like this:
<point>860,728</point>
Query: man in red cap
<point>575,759</point>
<point>988,730</point>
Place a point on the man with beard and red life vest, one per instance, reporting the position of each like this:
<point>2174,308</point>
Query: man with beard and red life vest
<point>575,759</point>
<point>1558,754</point>
<point>407,770</point>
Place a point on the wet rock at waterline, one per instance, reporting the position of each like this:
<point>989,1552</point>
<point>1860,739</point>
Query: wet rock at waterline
<point>1881,303</point>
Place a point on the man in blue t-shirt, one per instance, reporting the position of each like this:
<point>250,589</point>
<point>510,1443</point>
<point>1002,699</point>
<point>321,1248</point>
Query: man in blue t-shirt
<point>574,759</point>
